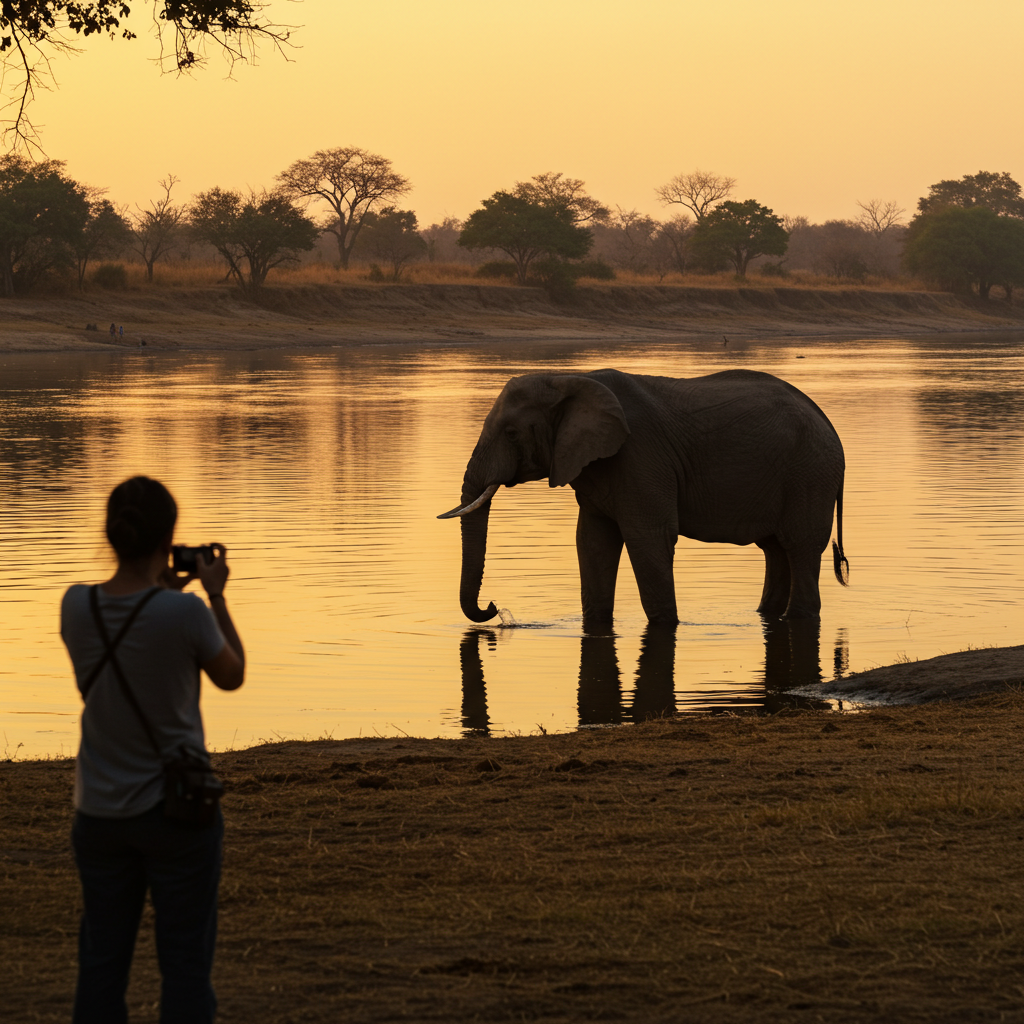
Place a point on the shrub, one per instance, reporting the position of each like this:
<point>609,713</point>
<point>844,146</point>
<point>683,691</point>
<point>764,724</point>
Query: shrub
<point>773,270</point>
<point>376,274</point>
<point>111,275</point>
<point>598,270</point>
<point>501,269</point>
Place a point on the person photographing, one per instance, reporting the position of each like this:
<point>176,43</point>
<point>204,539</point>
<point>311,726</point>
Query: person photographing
<point>146,804</point>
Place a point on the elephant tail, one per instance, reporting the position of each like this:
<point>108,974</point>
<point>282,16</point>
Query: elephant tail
<point>839,561</point>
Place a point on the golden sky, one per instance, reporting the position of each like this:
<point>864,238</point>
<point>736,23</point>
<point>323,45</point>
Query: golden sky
<point>809,105</point>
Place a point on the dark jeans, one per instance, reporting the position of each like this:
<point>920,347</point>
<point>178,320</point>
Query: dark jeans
<point>118,859</point>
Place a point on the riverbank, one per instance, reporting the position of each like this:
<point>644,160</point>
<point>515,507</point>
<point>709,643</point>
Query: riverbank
<point>800,866</point>
<point>332,315</point>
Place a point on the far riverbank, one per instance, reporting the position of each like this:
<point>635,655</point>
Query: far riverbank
<point>218,318</point>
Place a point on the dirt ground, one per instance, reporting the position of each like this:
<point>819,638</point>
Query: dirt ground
<point>175,318</point>
<point>803,866</point>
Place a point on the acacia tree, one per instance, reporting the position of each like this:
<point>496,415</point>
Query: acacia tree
<point>699,191</point>
<point>43,213</point>
<point>736,233</point>
<point>33,31</point>
<point>155,231</point>
<point>254,232</point>
<point>996,192</point>
<point>552,188</point>
<point>524,231</point>
<point>351,182</point>
<point>962,249</point>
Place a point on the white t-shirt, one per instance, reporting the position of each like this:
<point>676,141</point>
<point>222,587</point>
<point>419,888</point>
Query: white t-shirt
<point>118,773</point>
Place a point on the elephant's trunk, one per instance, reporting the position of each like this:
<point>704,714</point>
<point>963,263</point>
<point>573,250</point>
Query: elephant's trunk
<point>474,549</point>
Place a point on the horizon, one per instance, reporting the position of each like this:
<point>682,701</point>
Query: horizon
<point>480,101</point>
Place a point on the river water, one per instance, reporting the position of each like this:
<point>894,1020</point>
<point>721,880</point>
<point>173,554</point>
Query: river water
<point>322,472</point>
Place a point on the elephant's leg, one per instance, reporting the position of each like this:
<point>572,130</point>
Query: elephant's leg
<point>651,552</point>
<point>775,596</point>
<point>804,599</point>
<point>599,548</point>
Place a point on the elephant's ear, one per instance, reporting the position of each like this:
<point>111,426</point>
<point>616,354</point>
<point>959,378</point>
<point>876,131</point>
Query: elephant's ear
<point>592,426</point>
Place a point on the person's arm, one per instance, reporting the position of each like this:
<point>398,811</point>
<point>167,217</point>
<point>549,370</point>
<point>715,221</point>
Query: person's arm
<point>226,669</point>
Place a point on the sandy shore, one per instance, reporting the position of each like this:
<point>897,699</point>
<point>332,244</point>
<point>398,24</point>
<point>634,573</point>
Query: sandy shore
<point>325,315</point>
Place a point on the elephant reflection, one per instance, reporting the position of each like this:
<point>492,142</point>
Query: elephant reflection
<point>792,659</point>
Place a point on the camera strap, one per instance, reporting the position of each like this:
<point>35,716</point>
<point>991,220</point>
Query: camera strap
<point>110,656</point>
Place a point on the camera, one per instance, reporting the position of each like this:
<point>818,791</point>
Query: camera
<point>183,557</point>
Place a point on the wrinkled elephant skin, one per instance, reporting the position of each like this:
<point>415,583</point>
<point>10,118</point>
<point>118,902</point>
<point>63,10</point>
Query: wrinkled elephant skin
<point>737,457</point>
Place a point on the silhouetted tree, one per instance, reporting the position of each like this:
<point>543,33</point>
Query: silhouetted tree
<point>554,189</point>
<point>699,191</point>
<point>106,233</point>
<point>736,233</point>
<point>525,231</point>
<point>155,231</point>
<point>878,217</point>
<point>32,31</point>
<point>351,182</point>
<point>43,214</point>
<point>996,192</point>
<point>391,238</point>
<point>963,248</point>
<point>262,229</point>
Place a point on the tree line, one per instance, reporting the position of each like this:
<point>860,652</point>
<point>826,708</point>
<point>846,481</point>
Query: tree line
<point>967,234</point>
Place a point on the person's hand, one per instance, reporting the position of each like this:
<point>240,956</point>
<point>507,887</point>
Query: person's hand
<point>174,581</point>
<point>213,574</point>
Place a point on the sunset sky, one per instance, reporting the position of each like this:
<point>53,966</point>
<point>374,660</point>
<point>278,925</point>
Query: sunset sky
<point>809,106</point>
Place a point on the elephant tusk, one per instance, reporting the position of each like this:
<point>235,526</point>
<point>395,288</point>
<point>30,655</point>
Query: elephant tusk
<point>473,505</point>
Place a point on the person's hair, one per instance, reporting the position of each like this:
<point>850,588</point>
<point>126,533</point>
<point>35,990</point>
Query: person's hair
<point>140,514</point>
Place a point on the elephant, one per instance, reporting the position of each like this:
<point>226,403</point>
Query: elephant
<point>738,457</point>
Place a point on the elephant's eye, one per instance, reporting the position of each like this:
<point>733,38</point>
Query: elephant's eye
<point>512,433</point>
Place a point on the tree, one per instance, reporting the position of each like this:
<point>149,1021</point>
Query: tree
<point>43,213</point>
<point>699,192</point>
<point>736,233</point>
<point>524,230</point>
<point>878,217</point>
<point>391,237</point>
<point>351,182</point>
<point>263,229</point>
<point>32,31</point>
<point>553,189</point>
<point>962,248</point>
<point>674,240</point>
<point>106,233</point>
<point>154,231</point>
<point>996,192</point>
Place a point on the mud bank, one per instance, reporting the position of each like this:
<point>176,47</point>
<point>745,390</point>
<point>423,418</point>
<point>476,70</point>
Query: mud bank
<point>331,315</point>
<point>957,676</point>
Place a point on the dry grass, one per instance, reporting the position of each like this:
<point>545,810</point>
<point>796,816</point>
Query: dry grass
<point>799,867</point>
<point>189,274</point>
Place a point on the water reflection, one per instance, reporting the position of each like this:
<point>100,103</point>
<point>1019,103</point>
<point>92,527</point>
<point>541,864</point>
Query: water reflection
<point>792,659</point>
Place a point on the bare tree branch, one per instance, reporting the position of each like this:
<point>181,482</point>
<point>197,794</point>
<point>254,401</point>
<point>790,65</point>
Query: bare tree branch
<point>699,191</point>
<point>31,31</point>
<point>878,216</point>
<point>552,188</point>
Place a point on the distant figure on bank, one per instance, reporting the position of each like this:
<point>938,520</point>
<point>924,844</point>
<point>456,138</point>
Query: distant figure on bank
<point>137,644</point>
<point>113,330</point>
<point>120,332</point>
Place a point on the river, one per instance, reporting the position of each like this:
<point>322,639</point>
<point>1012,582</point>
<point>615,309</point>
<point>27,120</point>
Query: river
<point>323,471</point>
